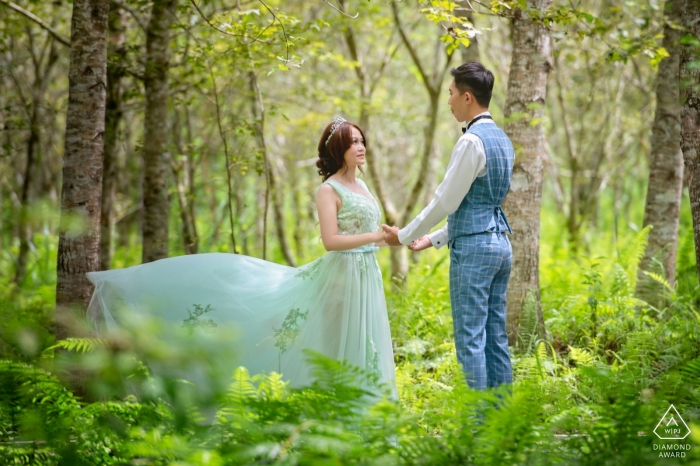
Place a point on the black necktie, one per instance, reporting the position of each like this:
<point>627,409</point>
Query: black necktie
<point>480,117</point>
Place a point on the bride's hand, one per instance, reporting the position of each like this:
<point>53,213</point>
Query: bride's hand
<point>421,243</point>
<point>380,236</point>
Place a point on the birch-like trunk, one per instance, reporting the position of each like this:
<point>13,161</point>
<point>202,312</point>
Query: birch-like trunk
<point>113,117</point>
<point>690,115</point>
<point>664,192</point>
<point>79,236</point>
<point>527,89</point>
<point>155,169</point>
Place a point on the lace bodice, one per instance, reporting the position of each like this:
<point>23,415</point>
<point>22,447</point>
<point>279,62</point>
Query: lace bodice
<point>358,214</point>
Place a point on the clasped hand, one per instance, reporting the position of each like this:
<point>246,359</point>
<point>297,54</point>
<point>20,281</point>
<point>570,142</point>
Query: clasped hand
<point>391,238</point>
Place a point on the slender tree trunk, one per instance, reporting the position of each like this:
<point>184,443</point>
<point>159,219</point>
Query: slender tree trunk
<point>527,88</point>
<point>79,246</point>
<point>34,155</point>
<point>155,190</point>
<point>690,115</point>
<point>113,116</point>
<point>190,173</point>
<point>433,85</point>
<point>181,173</point>
<point>278,212</point>
<point>25,229</point>
<point>399,256</point>
<point>666,168</point>
<point>470,53</point>
<point>272,192</point>
<point>189,237</point>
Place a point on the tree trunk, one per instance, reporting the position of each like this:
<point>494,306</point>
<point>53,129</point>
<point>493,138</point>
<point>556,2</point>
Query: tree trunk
<point>690,115</point>
<point>470,53</point>
<point>79,236</point>
<point>155,190</point>
<point>113,116</point>
<point>180,167</point>
<point>399,256</point>
<point>295,180</point>
<point>527,88</point>
<point>666,168</point>
<point>272,191</point>
<point>25,229</point>
<point>34,152</point>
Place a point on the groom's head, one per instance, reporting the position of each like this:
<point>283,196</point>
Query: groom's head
<point>470,91</point>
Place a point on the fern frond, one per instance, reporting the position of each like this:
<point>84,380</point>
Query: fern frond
<point>527,332</point>
<point>527,369</point>
<point>80,345</point>
<point>621,281</point>
<point>240,392</point>
<point>630,257</point>
<point>691,373</point>
<point>271,386</point>
<point>660,279</point>
<point>582,357</point>
<point>241,387</point>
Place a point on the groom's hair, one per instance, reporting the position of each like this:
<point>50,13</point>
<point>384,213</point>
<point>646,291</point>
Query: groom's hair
<point>475,78</point>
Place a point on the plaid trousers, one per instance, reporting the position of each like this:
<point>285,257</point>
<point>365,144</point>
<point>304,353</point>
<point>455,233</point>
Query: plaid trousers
<point>479,271</point>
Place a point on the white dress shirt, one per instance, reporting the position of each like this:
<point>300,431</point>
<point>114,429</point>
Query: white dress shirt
<point>467,162</point>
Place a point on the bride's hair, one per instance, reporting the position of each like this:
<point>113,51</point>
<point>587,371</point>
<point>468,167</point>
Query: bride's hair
<point>331,156</point>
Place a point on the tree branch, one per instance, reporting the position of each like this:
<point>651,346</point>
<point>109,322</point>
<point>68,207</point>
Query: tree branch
<point>341,11</point>
<point>142,24</point>
<point>352,47</point>
<point>57,35</point>
<point>411,50</point>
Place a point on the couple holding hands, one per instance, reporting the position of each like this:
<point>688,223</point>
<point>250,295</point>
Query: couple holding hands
<point>335,305</point>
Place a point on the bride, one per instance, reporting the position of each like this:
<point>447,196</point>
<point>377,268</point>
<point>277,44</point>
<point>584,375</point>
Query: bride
<point>334,305</point>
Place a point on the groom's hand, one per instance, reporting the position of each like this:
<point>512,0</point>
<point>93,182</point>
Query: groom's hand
<point>392,235</point>
<point>421,243</point>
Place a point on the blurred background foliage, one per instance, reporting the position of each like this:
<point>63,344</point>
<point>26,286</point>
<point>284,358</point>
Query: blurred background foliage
<point>591,392</point>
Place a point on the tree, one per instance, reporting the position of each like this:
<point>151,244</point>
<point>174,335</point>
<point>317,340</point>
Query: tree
<point>432,82</point>
<point>79,236</point>
<point>470,53</point>
<point>113,116</point>
<point>663,202</point>
<point>156,204</point>
<point>527,88</point>
<point>690,111</point>
<point>44,61</point>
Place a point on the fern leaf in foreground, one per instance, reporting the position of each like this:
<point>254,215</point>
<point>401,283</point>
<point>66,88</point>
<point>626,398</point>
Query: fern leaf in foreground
<point>80,345</point>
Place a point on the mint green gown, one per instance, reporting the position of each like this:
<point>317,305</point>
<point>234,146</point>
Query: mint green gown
<point>334,305</point>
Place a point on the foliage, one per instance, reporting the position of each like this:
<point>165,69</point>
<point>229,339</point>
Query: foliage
<point>582,397</point>
<point>591,393</point>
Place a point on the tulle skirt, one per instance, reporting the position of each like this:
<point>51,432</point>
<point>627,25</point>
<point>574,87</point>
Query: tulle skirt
<point>334,305</point>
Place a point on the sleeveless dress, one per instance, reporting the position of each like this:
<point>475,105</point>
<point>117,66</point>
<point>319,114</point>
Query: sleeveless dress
<point>334,305</point>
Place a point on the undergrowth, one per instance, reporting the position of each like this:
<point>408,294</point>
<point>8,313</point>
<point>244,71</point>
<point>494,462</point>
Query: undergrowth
<point>591,393</point>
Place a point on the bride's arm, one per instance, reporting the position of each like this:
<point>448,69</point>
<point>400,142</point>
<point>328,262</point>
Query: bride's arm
<point>327,204</point>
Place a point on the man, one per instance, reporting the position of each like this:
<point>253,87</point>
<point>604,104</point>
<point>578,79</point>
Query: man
<point>477,180</point>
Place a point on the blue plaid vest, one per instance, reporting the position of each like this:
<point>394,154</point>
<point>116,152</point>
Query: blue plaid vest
<point>480,210</point>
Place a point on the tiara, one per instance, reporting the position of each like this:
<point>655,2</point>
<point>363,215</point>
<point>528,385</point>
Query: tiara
<point>337,121</point>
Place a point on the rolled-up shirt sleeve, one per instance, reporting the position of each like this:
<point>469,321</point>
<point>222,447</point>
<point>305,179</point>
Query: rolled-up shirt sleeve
<point>467,161</point>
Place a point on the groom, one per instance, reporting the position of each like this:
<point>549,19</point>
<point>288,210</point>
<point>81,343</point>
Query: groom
<point>470,196</point>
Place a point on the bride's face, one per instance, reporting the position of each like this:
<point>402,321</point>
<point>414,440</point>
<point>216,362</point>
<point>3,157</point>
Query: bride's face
<point>355,155</point>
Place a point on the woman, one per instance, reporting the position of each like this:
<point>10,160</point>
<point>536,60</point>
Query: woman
<point>335,305</point>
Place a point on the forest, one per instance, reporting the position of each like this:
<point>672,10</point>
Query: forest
<point>137,130</point>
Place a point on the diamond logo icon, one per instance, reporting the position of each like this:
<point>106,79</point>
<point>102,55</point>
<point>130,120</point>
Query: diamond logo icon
<point>672,426</point>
